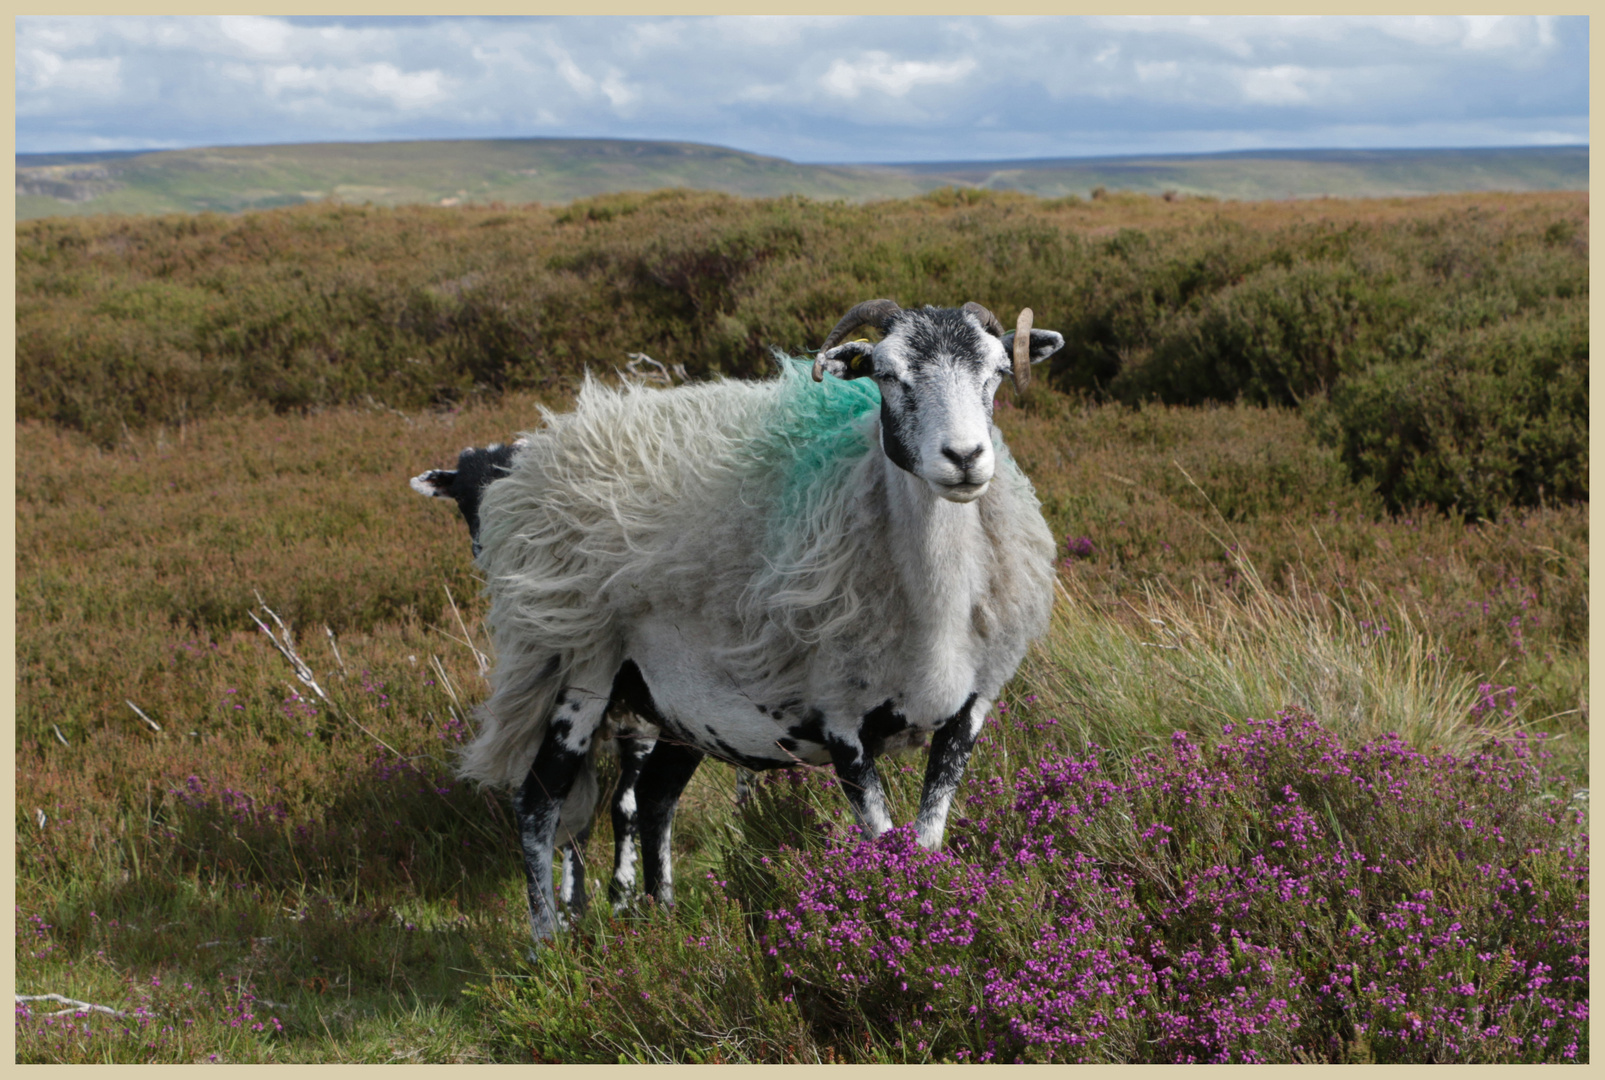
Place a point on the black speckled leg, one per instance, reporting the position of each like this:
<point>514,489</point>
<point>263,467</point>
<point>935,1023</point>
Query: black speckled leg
<point>539,803</point>
<point>950,752</point>
<point>663,778</point>
<point>633,754</point>
<point>861,783</point>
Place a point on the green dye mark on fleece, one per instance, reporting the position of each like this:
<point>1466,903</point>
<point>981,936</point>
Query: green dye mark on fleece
<point>815,435</point>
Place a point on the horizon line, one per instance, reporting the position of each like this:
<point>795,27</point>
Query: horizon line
<point>953,162</point>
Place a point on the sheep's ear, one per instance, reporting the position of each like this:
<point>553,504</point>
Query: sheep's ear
<point>849,361</point>
<point>436,483</point>
<point>1044,343</point>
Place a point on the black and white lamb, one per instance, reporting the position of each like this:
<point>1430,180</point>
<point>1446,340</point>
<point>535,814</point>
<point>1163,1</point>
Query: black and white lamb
<point>798,570</point>
<point>477,467</point>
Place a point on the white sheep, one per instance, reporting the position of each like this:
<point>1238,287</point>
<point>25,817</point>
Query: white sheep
<point>769,573</point>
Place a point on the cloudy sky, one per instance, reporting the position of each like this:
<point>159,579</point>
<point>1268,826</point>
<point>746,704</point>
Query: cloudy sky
<point>809,89</point>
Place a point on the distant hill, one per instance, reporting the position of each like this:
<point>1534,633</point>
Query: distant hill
<point>1278,174</point>
<point>448,172</point>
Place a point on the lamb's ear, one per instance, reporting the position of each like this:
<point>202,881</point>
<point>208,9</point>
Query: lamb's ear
<point>849,360</point>
<point>1044,343</point>
<point>436,483</point>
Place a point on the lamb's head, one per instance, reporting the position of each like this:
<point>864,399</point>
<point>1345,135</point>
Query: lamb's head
<point>937,370</point>
<point>476,468</point>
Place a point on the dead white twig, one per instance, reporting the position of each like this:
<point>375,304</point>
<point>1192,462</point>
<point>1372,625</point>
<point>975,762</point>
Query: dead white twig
<point>154,726</point>
<point>286,646</point>
<point>665,375</point>
<point>479,658</point>
<point>445,680</point>
<point>337,657</point>
<point>72,1005</point>
<point>283,642</point>
<point>59,735</point>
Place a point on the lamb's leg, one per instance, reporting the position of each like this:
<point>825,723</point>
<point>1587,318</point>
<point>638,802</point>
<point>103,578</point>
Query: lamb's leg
<point>855,768</point>
<point>633,754</point>
<point>950,752</point>
<point>571,889</point>
<point>663,778</point>
<point>539,803</point>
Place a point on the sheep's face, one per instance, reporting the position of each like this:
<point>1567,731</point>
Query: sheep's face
<point>937,370</point>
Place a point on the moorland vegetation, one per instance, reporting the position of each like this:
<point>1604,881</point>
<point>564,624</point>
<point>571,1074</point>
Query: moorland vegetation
<point>1300,772</point>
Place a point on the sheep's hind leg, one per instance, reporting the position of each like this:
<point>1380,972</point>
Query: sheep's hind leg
<point>663,778</point>
<point>539,803</point>
<point>571,889</point>
<point>633,754</point>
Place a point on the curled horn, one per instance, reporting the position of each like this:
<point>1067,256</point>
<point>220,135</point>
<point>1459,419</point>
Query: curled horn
<point>876,313</point>
<point>989,321</point>
<point>1022,350</point>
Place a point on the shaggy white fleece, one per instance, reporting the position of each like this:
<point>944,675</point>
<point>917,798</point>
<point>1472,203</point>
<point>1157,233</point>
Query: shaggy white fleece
<point>761,509</point>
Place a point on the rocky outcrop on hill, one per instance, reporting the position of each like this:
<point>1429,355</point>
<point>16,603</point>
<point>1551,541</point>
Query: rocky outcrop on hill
<point>69,183</point>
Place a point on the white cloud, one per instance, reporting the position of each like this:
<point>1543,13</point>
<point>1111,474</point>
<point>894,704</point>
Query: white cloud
<point>276,80</point>
<point>41,70</point>
<point>619,92</point>
<point>259,35</point>
<point>407,89</point>
<point>577,80</point>
<point>761,92</point>
<point>876,70</point>
<point>762,31</point>
<point>1284,84</point>
<point>822,89</point>
<point>1485,31</point>
<point>1160,71</point>
<point>385,82</point>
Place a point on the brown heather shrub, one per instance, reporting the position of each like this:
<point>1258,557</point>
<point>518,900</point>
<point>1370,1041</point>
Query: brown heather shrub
<point>126,323</point>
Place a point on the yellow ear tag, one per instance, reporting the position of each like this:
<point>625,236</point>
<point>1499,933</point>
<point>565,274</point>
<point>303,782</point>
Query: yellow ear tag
<point>857,362</point>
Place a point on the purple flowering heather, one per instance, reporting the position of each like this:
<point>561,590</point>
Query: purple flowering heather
<point>1080,547</point>
<point>1273,897</point>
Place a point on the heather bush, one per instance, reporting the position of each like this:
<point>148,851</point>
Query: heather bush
<point>1485,418</point>
<point>125,323</point>
<point>1270,895</point>
<point>1273,335</point>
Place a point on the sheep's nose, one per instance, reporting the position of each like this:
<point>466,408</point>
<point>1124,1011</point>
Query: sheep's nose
<point>964,458</point>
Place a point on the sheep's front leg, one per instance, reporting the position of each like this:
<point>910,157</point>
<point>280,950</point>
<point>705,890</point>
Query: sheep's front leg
<point>663,778</point>
<point>855,768</point>
<point>950,752</point>
<point>539,803</point>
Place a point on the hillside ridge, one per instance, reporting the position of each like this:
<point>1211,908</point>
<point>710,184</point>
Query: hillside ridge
<point>451,172</point>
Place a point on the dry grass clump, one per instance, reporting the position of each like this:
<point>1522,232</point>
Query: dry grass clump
<point>1187,660</point>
